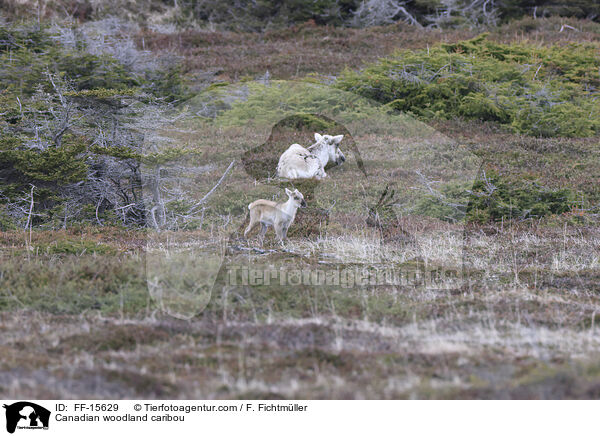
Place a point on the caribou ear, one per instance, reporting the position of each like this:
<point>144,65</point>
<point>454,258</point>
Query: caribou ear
<point>288,192</point>
<point>318,137</point>
<point>337,139</point>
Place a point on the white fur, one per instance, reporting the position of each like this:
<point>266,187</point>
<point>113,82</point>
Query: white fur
<point>298,162</point>
<point>280,216</point>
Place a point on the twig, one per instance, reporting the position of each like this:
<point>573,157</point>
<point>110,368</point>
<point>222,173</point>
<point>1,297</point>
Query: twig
<point>209,193</point>
<point>29,220</point>
<point>537,71</point>
<point>566,26</point>
<point>152,214</point>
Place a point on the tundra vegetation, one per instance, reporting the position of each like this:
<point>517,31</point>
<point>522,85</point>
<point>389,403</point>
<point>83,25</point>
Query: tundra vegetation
<point>103,121</point>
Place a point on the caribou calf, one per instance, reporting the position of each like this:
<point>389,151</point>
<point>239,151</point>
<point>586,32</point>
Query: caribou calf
<point>280,216</point>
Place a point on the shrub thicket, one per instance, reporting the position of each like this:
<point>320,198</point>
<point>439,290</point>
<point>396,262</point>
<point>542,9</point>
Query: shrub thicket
<point>264,14</point>
<point>70,133</point>
<point>542,91</point>
<point>493,197</point>
<point>259,15</point>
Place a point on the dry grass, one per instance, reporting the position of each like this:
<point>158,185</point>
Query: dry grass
<point>532,335</point>
<point>77,320</point>
<point>522,325</point>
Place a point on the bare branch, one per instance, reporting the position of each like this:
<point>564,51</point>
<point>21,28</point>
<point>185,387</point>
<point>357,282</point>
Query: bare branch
<point>209,193</point>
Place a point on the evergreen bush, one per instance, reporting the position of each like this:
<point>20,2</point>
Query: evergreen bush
<point>540,91</point>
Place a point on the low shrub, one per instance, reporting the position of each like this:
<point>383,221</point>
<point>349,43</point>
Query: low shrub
<point>493,198</point>
<point>541,91</point>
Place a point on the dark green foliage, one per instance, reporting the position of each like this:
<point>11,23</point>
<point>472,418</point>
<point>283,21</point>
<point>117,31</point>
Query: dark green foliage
<point>29,38</point>
<point>466,13</point>
<point>33,54</point>
<point>511,9</point>
<point>24,70</point>
<point>451,205</point>
<point>54,100</point>
<point>509,199</point>
<point>46,170</point>
<point>265,14</point>
<point>261,15</point>
<point>6,221</point>
<point>167,83</point>
<point>542,91</point>
<point>59,165</point>
<point>493,198</point>
<point>257,15</point>
<point>92,72</point>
